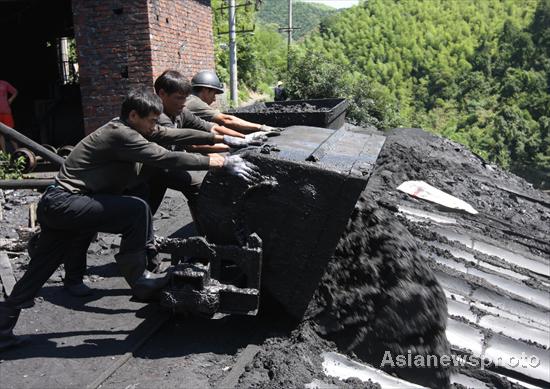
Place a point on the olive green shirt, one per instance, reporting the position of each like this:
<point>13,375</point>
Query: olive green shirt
<point>186,119</point>
<point>108,159</point>
<point>200,108</point>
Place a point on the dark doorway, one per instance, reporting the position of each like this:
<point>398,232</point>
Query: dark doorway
<point>38,60</point>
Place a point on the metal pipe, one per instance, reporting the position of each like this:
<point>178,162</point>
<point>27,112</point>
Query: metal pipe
<point>31,183</point>
<point>289,23</point>
<point>35,147</point>
<point>232,54</point>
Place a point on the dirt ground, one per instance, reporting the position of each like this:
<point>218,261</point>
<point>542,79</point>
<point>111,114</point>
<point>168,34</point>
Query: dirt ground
<point>74,341</point>
<point>363,304</point>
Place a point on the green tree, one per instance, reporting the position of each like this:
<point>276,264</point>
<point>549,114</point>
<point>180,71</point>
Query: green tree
<point>306,16</point>
<point>313,76</point>
<point>261,54</point>
<point>10,169</point>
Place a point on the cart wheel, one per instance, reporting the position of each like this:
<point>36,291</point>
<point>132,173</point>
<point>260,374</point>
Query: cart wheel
<point>50,148</point>
<point>65,151</point>
<point>28,155</point>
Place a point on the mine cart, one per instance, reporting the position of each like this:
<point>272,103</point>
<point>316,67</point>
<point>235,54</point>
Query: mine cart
<point>272,239</point>
<point>326,113</point>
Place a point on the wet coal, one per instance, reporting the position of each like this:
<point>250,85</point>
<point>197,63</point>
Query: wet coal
<point>377,296</point>
<point>379,300</point>
<point>293,361</point>
<point>414,154</point>
<point>380,292</point>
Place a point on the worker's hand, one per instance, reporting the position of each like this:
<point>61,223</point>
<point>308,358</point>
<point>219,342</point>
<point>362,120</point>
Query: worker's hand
<point>238,143</point>
<point>271,131</point>
<point>236,166</point>
<point>216,160</point>
<point>257,136</point>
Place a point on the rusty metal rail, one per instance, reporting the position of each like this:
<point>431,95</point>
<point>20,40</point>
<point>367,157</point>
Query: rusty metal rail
<point>32,183</point>
<point>157,323</point>
<point>35,147</point>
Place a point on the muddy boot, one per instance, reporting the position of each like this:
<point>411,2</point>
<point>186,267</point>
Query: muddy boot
<point>145,285</point>
<point>8,319</point>
<point>74,284</point>
<point>154,263</point>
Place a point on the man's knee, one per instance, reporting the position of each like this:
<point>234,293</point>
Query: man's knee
<point>193,188</point>
<point>137,208</point>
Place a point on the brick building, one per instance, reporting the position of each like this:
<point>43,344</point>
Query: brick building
<point>119,44</point>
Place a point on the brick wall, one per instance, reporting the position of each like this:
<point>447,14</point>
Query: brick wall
<point>125,43</point>
<point>181,36</point>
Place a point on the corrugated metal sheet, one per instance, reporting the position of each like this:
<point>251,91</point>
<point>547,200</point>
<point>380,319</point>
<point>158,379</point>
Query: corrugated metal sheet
<point>497,293</point>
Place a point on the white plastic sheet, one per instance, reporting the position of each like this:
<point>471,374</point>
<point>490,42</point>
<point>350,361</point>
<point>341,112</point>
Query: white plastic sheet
<point>425,191</point>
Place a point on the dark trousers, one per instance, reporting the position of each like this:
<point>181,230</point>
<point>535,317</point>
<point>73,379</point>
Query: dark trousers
<point>159,180</point>
<point>75,258</point>
<point>68,222</point>
<point>151,187</point>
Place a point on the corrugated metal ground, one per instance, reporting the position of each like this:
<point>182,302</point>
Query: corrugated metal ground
<point>493,266</point>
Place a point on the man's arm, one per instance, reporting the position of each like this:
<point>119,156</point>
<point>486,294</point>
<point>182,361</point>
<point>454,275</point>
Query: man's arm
<point>225,131</point>
<point>188,119</point>
<point>236,123</point>
<point>12,91</point>
<point>183,136</point>
<point>136,148</point>
<point>217,148</point>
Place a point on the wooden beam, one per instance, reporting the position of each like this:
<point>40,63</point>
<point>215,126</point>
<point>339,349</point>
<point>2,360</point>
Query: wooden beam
<point>32,215</point>
<point>247,355</point>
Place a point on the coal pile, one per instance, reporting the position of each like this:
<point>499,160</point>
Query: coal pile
<point>292,361</point>
<point>280,108</point>
<point>494,266</point>
<point>395,282</point>
<point>379,296</point>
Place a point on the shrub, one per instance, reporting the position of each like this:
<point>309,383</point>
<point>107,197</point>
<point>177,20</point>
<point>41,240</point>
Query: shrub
<point>10,169</point>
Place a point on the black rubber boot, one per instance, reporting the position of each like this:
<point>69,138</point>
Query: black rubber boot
<point>153,262</point>
<point>8,319</point>
<point>145,285</point>
<point>78,289</point>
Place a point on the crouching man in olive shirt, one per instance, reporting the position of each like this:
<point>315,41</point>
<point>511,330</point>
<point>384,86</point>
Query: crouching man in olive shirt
<point>87,198</point>
<point>173,89</point>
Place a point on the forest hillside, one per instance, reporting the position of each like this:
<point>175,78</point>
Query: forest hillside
<point>477,72</point>
<point>306,16</point>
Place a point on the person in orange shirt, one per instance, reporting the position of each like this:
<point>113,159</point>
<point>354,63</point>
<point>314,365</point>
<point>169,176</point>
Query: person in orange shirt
<point>6,89</point>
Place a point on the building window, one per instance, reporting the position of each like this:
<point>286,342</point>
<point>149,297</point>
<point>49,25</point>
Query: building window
<point>67,61</point>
